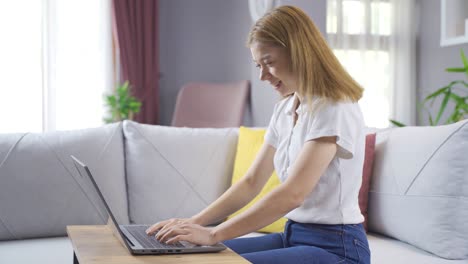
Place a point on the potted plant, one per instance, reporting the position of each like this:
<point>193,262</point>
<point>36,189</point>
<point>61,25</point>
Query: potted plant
<point>456,91</point>
<point>121,105</point>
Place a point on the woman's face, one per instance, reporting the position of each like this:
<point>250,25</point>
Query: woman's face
<point>273,62</point>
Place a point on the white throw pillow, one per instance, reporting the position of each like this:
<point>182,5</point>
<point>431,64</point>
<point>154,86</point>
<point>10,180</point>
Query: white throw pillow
<point>419,188</point>
<point>176,172</point>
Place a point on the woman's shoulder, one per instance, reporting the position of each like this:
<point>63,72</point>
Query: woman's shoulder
<point>330,111</point>
<point>327,106</point>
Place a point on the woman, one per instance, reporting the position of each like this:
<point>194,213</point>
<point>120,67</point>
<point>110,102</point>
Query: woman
<point>315,143</point>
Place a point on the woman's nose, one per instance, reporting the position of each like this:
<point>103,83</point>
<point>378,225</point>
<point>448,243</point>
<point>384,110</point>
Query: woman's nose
<point>264,74</point>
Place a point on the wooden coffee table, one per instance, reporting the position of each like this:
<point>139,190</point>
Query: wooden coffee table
<point>96,244</point>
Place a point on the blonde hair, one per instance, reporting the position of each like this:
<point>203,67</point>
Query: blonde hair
<point>319,72</point>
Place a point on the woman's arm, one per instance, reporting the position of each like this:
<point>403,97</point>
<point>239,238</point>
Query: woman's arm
<point>236,197</point>
<point>241,193</point>
<point>311,163</point>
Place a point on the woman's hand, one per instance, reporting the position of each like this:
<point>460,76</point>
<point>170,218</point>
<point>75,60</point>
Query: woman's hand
<point>180,229</point>
<point>165,225</point>
<point>192,233</point>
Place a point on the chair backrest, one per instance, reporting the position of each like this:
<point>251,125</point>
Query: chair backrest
<point>211,104</point>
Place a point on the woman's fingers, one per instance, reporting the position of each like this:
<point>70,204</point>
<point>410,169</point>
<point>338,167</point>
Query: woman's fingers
<point>167,228</point>
<point>163,231</point>
<point>160,226</point>
<point>178,238</point>
<point>174,231</point>
<point>154,228</point>
<point>191,233</point>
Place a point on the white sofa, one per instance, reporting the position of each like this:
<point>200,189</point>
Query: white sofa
<point>418,199</point>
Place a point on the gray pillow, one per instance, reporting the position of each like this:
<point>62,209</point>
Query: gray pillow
<point>39,185</point>
<point>419,189</point>
<point>176,172</point>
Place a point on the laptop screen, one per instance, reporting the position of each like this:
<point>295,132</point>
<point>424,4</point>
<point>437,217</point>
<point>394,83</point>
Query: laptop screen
<point>93,194</point>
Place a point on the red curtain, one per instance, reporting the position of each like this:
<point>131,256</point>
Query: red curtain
<point>136,30</point>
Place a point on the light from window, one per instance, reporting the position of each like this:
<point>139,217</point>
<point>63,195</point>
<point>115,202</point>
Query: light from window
<point>371,70</point>
<point>354,18</point>
<point>359,34</point>
<point>55,64</point>
<point>20,66</point>
<point>82,63</point>
<point>381,18</point>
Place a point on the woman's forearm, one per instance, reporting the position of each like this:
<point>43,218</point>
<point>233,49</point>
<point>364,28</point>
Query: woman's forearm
<point>269,209</point>
<point>242,192</point>
<point>304,175</point>
<point>232,200</point>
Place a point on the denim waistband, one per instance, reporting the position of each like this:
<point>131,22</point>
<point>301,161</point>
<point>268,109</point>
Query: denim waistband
<point>348,241</point>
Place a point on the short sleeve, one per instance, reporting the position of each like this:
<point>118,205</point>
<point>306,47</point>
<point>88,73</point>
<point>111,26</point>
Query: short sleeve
<point>271,135</point>
<point>343,120</point>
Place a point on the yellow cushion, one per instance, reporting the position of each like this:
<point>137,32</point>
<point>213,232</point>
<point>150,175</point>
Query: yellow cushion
<point>249,143</point>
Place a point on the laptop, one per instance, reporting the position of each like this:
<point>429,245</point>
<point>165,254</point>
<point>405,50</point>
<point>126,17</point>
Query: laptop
<point>133,237</point>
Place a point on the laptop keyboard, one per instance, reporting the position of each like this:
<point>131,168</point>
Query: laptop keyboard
<point>139,232</point>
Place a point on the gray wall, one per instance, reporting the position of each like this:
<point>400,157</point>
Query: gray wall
<point>200,40</point>
<point>432,59</point>
<point>204,40</point>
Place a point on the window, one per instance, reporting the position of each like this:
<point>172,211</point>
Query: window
<point>56,64</point>
<point>359,33</point>
<point>20,66</point>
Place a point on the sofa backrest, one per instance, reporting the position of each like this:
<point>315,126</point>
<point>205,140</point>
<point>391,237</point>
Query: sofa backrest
<point>176,172</point>
<point>40,190</point>
<point>419,188</point>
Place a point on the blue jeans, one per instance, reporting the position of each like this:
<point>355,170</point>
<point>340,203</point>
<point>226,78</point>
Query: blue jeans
<point>306,243</point>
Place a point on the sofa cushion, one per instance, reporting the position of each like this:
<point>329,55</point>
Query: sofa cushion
<point>419,189</point>
<point>385,250</point>
<point>56,250</point>
<point>176,172</point>
<point>40,192</point>
<point>248,145</point>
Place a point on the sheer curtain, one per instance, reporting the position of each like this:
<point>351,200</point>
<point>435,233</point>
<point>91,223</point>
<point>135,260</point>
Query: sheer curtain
<point>375,41</point>
<point>56,63</point>
<point>77,63</point>
<point>20,66</point>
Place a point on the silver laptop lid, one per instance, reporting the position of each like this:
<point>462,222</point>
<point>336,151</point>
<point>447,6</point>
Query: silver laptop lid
<point>92,192</point>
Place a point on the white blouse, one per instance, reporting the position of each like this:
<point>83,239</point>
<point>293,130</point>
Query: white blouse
<point>334,200</point>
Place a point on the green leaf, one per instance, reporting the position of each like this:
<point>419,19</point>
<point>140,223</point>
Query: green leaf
<point>431,122</point>
<point>442,106</point>
<point>455,97</point>
<point>455,70</point>
<point>464,84</point>
<point>121,104</point>
<point>459,101</point>
<point>112,101</point>
<point>464,106</point>
<point>396,123</point>
<point>437,93</point>
<point>465,61</point>
<point>455,116</point>
<point>463,57</point>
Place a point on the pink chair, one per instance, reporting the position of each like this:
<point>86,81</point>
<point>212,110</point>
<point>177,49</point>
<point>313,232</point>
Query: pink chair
<point>211,104</point>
